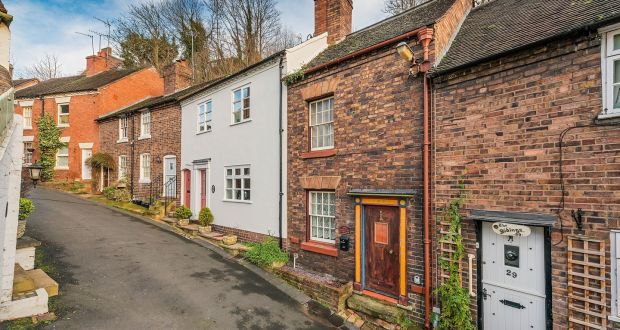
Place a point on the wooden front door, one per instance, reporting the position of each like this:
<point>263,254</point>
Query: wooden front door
<point>382,252</point>
<point>203,188</point>
<point>188,188</point>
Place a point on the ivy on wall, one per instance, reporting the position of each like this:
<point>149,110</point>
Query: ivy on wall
<point>49,143</point>
<point>454,299</point>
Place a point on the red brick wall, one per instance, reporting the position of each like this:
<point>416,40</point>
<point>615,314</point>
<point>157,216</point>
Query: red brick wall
<point>378,144</point>
<point>85,108</point>
<point>165,140</point>
<point>498,124</point>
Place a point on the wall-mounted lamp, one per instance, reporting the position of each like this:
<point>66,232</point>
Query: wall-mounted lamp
<point>35,173</point>
<point>406,53</point>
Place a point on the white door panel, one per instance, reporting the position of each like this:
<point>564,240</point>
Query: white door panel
<point>513,280</point>
<point>86,170</point>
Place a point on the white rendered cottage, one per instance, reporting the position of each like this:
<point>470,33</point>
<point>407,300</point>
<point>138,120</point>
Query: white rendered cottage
<point>233,145</point>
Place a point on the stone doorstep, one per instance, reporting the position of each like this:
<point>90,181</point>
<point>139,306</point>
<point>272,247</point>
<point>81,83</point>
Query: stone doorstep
<point>22,283</point>
<point>25,283</point>
<point>375,309</point>
<point>27,242</point>
<point>42,280</point>
<point>190,229</point>
<point>169,220</point>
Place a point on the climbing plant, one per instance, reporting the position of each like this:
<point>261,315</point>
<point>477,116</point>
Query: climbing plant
<point>49,143</point>
<point>295,76</point>
<point>454,299</point>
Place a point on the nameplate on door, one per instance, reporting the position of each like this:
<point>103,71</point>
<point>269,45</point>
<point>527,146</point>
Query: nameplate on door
<point>509,229</point>
<point>382,232</point>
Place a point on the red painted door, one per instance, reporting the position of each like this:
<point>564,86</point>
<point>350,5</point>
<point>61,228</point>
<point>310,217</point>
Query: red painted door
<point>381,241</point>
<point>188,188</point>
<point>203,189</point>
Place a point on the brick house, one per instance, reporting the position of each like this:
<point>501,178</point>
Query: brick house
<point>145,138</point>
<point>355,159</point>
<point>526,113</point>
<point>76,101</point>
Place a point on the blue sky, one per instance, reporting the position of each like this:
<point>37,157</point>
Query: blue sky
<point>49,26</point>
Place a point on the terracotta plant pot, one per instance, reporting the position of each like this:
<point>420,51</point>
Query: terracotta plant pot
<point>204,229</point>
<point>183,222</point>
<point>21,228</point>
<point>229,239</point>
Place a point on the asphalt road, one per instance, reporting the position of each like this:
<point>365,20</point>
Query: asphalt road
<point>121,273</point>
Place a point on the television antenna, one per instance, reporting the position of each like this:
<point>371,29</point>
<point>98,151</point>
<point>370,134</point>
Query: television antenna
<point>109,25</point>
<point>92,40</point>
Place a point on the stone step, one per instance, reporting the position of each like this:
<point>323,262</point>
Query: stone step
<point>169,220</point>
<point>43,281</point>
<point>191,229</point>
<point>213,235</point>
<point>22,283</point>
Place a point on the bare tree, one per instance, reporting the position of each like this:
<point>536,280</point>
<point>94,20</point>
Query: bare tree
<point>398,6</point>
<point>47,67</point>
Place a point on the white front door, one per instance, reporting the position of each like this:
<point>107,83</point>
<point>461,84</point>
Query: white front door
<point>86,170</point>
<point>170,176</point>
<point>513,280</point>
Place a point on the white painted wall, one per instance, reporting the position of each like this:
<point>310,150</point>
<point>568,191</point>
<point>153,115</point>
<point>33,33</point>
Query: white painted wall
<point>254,143</point>
<point>11,153</point>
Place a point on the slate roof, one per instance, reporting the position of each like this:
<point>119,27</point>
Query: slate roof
<point>157,100</point>
<point>17,82</point>
<point>74,84</point>
<point>503,26</point>
<point>410,20</point>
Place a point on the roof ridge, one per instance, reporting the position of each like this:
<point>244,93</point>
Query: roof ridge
<point>393,17</point>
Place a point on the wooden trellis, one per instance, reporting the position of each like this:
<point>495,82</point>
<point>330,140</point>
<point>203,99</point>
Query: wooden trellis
<point>446,248</point>
<point>586,284</point>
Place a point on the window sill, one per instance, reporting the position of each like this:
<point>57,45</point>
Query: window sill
<point>204,132</point>
<point>144,137</point>
<point>241,122</point>
<point>610,117</point>
<point>145,181</point>
<point>614,318</point>
<point>62,126</point>
<point>318,154</point>
<point>27,128</point>
<point>61,168</point>
<point>122,141</point>
<point>236,201</point>
<point>320,248</point>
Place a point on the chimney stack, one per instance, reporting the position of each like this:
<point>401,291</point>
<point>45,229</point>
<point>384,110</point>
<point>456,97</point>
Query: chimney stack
<point>334,17</point>
<point>101,62</point>
<point>177,76</point>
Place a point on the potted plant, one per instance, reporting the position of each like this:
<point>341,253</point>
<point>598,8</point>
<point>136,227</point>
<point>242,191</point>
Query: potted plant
<point>26,207</point>
<point>183,214</point>
<point>205,218</point>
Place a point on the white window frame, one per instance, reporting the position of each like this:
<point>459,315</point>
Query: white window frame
<point>59,155</point>
<point>312,215</point>
<point>27,154</point>
<point>145,125</point>
<point>61,115</point>
<point>231,175</point>
<point>122,138</point>
<point>322,125</point>
<point>608,57</point>
<point>145,159</point>
<point>205,125</point>
<point>243,107</point>
<point>615,276</point>
<point>122,170</point>
<point>27,119</point>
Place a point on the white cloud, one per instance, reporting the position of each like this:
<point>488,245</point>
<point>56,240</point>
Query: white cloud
<point>49,26</point>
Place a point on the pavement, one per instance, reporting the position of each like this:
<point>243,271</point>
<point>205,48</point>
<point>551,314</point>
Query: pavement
<point>119,272</point>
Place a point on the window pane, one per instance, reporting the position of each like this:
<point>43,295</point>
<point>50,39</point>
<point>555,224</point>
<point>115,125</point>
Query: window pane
<point>237,194</point>
<point>229,183</point>
<point>246,183</point>
<point>246,92</point>
<point>617,42</point>
<point>237,171</point>
<point>246,171</point>
<point>237,95</point>
<point>246,195</point>
<point>229,193</point>
<point>229,171</point>
<point>616,71</point>
<point>617,97</point>
<point>238,183</point>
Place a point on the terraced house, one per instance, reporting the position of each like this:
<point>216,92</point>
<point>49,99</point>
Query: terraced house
<point>357,162</point>
<point>526,113</point>
<point>76,101</point>
<point>145,138</point>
